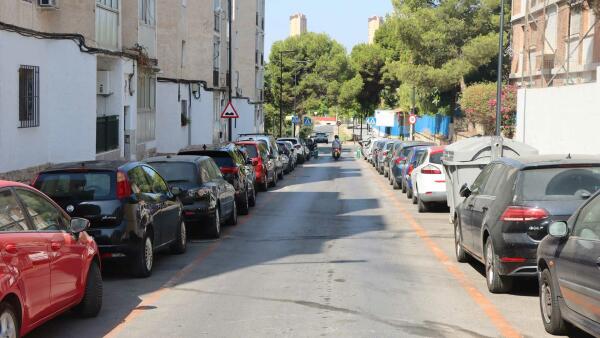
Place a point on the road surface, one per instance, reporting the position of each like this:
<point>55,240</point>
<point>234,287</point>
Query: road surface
<point>332,251</point>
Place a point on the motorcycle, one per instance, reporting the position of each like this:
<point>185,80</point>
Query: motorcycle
<point>337,153</point>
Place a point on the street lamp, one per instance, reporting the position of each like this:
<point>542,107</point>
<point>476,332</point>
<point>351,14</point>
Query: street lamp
<point>281,89</point>
<point>499,80</point>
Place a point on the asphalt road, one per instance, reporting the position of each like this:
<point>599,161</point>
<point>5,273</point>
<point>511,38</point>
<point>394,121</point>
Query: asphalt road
<point>332,251</point>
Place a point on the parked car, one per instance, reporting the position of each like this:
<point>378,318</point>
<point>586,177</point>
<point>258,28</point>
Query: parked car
<point>264,166</point>
<point>131,209</point>
<point>233,168</point>
<point>428,179</point>
<point>306,149</point>
<point>271,144</point>
<point>50,264</point>
<point>378,147</point>
<point>381,155</point>
<point>208,199</point>
<point>387,157</point>
<point>251,173</point>
<point>567,262</point>
<point>398,161</point>
<point>299,146</point>
<point>288,157</point>
<point>407,170</point>
<point>508,208</point>
<point>321,138</point>
<point>293,153</point>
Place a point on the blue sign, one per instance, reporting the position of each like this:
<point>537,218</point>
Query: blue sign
<point>371,120</point>
<point>307,121</point>
<point>295,119</point>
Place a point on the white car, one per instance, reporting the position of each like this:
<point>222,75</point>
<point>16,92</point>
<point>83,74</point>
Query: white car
<point>428,179</point>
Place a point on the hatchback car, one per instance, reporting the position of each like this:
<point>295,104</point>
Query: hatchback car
<point>132,211</point>
<point>208,199</point>
<point>233,168</point>
<point>568,261</point>
<point>382,154</point>
<point>428,179</point>
<point>264,166</point>
<point>50,264</point>
<point>293,153</point>
<point>507,210</point>
<point>287,159</point>
<point>298,146</point>
<point>408,168</point>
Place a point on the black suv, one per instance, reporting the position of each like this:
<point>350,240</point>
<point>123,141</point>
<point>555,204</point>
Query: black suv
<point>208,199</point>
<point>507,210</point>
<point>130,207</point>
<point>234,170</point>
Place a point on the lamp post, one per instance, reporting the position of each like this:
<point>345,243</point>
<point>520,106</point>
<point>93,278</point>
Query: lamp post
<point>499,80</point>
<point>281,89</point>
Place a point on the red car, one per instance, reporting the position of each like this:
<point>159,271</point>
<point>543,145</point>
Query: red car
<point>264,166</point>
<point>48,264</point>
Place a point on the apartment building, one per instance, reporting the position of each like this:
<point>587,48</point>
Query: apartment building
<point>374,23</point>
<point>298,24</point>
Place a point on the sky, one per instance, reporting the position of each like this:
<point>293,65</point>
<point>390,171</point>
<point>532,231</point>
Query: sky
<point>343,20</point>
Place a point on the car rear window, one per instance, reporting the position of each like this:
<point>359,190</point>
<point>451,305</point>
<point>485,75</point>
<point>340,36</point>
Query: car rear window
<point>568,183</point>
<point>436,158</point>
<point>294,141</point>
<point>251,150</point>
<point>81,186</point>
<point>175,172</point>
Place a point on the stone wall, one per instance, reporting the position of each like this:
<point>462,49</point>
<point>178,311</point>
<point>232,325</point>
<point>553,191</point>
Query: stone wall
<point>25,175</point>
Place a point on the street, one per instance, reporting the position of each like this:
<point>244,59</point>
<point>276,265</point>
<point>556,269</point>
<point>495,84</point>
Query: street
<point>333,251</point>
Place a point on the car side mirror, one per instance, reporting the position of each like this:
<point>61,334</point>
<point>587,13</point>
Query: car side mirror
<point>176,191</point>
<point>79,225</point>
<point>558,229</point>
<point>465,191</point>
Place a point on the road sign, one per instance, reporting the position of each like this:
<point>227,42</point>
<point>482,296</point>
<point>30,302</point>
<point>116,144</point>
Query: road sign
<point>371,120</point>
<point>307,121</point>
<point>230,112</point>
<point>295,120</point>
<point>339,123</point>
<point>412,119</point>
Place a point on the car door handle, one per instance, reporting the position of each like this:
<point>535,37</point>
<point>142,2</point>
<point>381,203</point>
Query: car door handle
<point>11,248</point>
<point>55,246</point>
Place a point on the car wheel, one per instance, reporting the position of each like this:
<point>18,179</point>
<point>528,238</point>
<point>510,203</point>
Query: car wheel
<point>144,259</point>
<point>253,198</point>
<point>281,175</point>
<point>91,303</point>
<point>385,173</point>
<point>549,306</point>
<point>495,282</point>
<point>9,324</point>
<point>395,184</point>
<point>409,193</point>
<point>423,207</point>
<point>265,185</point>
<point>415,197</point>
<point>404,187</point>
<point>180,244</point>
<point>461,255</point>
<point>245,204</point>
<point>233,219</point>
<point>214,231</point>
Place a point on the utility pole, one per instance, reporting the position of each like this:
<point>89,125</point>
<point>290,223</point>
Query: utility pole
<point>414,111</point>
<point>499,80</point>
<point>229,70</point>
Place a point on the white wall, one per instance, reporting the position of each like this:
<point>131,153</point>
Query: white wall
<point>560,120</point>
<point>67,130</point>
<point>170,135</point>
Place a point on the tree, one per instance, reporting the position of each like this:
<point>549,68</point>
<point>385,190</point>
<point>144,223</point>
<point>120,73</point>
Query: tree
<point>479,103</point>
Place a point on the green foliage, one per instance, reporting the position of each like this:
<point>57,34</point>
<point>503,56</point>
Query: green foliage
<point>479,103</point>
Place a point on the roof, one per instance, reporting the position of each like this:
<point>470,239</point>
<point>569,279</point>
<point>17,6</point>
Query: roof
<point>176,158</point>
<point>208,147</point>
<point>93,165</point>
<point>4,184</point>
<point>481,150</point>
<point>534,161</point>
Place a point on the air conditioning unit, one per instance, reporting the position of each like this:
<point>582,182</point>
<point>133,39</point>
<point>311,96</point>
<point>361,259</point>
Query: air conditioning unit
<point>103,83</point>
<point>48,3</point>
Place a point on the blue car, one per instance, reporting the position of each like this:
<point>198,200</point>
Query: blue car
<point>411,163</point>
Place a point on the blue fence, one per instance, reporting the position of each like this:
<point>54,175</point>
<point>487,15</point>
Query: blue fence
<point>431,124</point>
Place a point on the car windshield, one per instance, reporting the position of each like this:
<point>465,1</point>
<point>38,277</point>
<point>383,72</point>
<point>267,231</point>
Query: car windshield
<point>568,183</point>
<point>251,151</point>
<point>176,171</point>
<point>81,186</point>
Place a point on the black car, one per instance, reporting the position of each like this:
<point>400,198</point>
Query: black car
<point>508,208</point>
<point>131,209</point>
<point>234,170</point>
<point>208,199</point>
<point>568,261</point>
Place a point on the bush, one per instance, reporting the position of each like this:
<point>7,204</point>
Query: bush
<point>479,103</point>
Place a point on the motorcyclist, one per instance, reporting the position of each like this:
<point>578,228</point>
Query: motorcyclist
<point>336,144</point>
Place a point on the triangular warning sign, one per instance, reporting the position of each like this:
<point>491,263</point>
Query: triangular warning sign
<point>230,112</point>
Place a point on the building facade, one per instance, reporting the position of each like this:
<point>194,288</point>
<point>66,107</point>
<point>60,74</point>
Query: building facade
<point>298,24</point>
<point>120,79</point>
<point>374,23</point>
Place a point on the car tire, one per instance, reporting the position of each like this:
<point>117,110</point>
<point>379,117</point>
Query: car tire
<point>252,201</point>
<point>233,219</point>
<point>495,282</point>
<point>403,187</point>
<point>385,173</point>
<point>423,207</point>
<point>245,209</point>
<point>459,251</point>
<point>143,261</point>
<point>214,230</point>
<point>8,318</point>
<point>395,184</point>
<point>549,306</point>
<point>415,197</point>
<point>179,246</point>
<point>91,303</point>
<point>281,174</point>
<point>409,193</point>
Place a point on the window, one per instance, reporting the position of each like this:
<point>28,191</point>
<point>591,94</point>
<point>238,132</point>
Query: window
<point>214,170</point>
<point>78,186</point>
<point>481,180</point>
<point>561,184</point>
<point>588,221</point>
<point>147,13</point>
<point>176,172</point>
<point>111,4</point>
<point>146,122</point>
<point>184,113</point>
<point>139,181</point>
<point>217,15</point>
<point>496,181</point>
<point>44,215</point>
<point>205,172</point>
<point>159,186</point>
<point>216,53</point>
<point>11,214</point>
<point>29,96</point>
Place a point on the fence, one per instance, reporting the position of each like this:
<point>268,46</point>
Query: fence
<point>431,124</point>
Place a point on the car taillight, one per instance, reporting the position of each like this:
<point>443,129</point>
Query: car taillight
<point>123,186</point>
<point>411,168</point>
<point>34,180</point>
<point>230,170</point>
<point>385,153</point>
<point>523,214</point>
<point>399,160</point>
<point>430,170</point>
